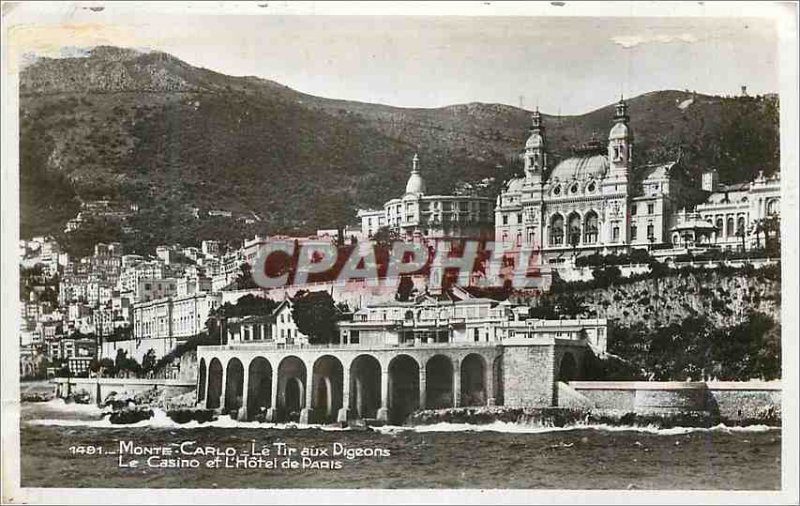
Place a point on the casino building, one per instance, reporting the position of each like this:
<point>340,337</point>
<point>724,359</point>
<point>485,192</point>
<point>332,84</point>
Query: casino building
<point>599,201</point>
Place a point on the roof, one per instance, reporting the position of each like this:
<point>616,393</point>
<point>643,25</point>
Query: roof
<point>535,141</point>
<point>619,131</point>
<point>660,171</point>
<point>732,187</point>
<point>415,183</point>
<point>694,224</point>
<point>581,167</point>
<point>515,184</point>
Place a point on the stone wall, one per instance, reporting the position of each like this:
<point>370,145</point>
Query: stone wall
<point>731,401</point>
<point>528,376</point>
<point>743,401</point>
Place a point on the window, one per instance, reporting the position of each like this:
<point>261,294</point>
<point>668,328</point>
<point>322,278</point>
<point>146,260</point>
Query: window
<point>650,208</point>
<point>591,187</point>
<point>519,218</point>
<point>633,232</point>
<point>519,238</point>
<point>505,219</point>
<point>574,189</point>
<point>354,337</point>
<point>556,230</point>
<point>729,227</point>
<point>650,232</point>
<point>557,190</point>
<point>772,207</point>
<point>615,234</point>
<point>476,335</point>
<point>590,228</point>
<point>633,209</point>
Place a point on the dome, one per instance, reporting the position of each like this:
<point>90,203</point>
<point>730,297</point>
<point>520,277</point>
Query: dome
<point>535,141</point>
<point>415,184</point>
<point>619,131</point>
<point>515,185</point>
<point>582,167</point>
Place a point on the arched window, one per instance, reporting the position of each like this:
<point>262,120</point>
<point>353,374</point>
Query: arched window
<point>590,228</point>
<point>556,230</point>
<point>634,230</point>
<point>615,233</point>
<point>740,225</point>
<point>729,227</point>
<point>650,232</point>
<point>773,207</point>
<point>718,225</point>
<point>574,229</point>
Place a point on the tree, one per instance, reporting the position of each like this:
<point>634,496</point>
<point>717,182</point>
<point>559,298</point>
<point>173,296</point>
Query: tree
<point>316,315</point>
<point>244,281</point>
<point>404,289</point>
<point>149,361</point>
<point>740,232</point>
<point>384,237</point>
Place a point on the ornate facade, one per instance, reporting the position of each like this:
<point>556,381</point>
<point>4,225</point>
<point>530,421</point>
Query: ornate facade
<point>593,201</point>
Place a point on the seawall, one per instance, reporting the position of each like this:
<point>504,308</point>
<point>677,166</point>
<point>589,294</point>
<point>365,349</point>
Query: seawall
<point>730,400</point>
<point>631,403</point>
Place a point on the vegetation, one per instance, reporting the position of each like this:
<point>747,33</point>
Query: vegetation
<point>697,350</point>
<point>315,314</point>
<point>171,137</point>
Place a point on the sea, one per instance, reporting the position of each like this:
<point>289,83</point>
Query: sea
<point>76,446</point>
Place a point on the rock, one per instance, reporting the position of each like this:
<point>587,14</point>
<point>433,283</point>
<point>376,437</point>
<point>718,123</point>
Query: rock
<point>184,415</point>
<point>128,416</point>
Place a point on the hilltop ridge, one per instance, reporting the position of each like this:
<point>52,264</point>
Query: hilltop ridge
<point>150,129</point>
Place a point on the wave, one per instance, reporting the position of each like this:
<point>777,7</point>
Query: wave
<point>160,420</point>
<point>510,427</point>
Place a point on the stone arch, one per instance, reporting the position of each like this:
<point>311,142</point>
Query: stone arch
<point>556,229</point>
<point>201,381</point>
<point>497,387</point>
<point>365,386</point>
<point>591,227</point>
<point>473,385</point>
<point>234,384</point>
<point>292,383</point>
<point>439,382</point>
<point>214,384</point>
<point>574,227</point>
<point>327,380</point>
<point>403,387</point>
<point>568,368</point>
<point>259,386</point>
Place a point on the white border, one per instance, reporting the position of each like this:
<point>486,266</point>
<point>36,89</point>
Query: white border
<point>784,13</point>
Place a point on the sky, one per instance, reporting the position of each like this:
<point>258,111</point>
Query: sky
<point>563,65</point>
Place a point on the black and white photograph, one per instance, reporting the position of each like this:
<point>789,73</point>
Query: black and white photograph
<point>399,252</point>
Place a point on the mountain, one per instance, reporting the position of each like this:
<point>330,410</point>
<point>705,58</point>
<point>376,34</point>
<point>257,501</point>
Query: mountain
<point>151,130</point>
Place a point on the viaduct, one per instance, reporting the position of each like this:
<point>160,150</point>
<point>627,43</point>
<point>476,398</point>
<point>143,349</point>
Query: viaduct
<point>328,383</point>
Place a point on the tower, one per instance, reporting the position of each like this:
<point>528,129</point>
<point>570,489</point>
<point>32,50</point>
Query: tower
<point>415,184</point>
<point>535,150</point>
<point>620,142</point>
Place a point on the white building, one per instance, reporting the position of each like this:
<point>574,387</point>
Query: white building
<point>471,320</point>
<point>276,328</point>
<point>736,210</point>
<point>419,216</point>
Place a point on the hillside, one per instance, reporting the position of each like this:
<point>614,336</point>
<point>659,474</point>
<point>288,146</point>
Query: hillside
<point>152,130</point>
<point>699,324</point>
